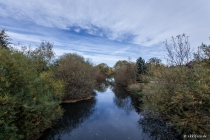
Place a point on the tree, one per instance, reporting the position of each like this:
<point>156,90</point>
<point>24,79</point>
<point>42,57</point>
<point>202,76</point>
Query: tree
<point>4,39</point>
<point>29,103</point>
<point>78,75</point>
<point>120,64</point>
<point>178,53</point>
<point>206,50</point>
<point>125,72</point>
<point>181,95</point>
<point>104,68</point>
<point>198,56</point>
<point>154,61</point>
<point>42,56</point>
<point>203,54</point>
<point>141,66</point>
<point>110,73</point>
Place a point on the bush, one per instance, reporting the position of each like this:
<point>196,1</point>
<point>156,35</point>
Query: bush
<point>181,94</point>
<point>182,97</point>
<point>29,102</point>
<point>100,77</point>
<point>78,75</point>
<point>125,73</point>
<point>136,88</point>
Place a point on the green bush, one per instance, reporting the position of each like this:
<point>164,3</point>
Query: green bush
<point>182,97</point>
<point>29,102</point>
<point>78,75</point>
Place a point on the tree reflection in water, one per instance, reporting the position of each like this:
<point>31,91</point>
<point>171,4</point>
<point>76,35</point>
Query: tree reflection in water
<point>157,129</point>
<point>103,86</point>
<point>113,123</point>
<point>124,100</point>
<point>75,114</point>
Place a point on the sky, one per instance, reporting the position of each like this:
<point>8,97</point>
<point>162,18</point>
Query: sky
<point>106,30</point>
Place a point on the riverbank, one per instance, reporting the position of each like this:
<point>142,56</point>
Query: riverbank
<point>73,101</point>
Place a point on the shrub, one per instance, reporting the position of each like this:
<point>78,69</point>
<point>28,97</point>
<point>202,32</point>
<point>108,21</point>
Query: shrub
<point>125,73</point>
<point>136,88</point>
<point>182,97</point>
<point>42,56</point>
<point>29,102</point>
<point>100,77</point>
<point>78,75</point>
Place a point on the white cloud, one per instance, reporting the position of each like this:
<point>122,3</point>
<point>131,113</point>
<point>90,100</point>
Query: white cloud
<point>156,20</point>
<point>24,37</point>
<point>99,58</point>
<point>96,50</point>
<point>121,50</point>
<point>148,22</point>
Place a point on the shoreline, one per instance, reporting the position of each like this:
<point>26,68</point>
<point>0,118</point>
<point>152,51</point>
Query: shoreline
<point>74,101</point>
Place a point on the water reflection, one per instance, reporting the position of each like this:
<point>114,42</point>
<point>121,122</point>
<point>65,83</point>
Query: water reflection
<point>157,129</point>
<point>75,114</point>
<point>124,100</point>
<point>152,129</point>
<point>112,115</point>
<point>103,86</point>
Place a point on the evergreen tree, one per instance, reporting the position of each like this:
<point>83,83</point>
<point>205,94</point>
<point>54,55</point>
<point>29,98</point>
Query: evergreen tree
<point>4,39</point>
<point>141,66</point>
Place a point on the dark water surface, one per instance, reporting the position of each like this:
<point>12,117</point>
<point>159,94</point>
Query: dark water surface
<point>112,115</point>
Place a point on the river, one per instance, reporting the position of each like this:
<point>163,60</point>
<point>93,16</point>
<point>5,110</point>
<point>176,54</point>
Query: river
<point>113,114</point>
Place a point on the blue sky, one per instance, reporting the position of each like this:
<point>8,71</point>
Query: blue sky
<point>106,30</point>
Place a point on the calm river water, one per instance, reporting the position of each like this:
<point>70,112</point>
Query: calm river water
<point>112,115</point>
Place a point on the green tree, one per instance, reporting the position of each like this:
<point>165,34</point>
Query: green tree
<point>4,39</point>
<point>141,66</point>
<point>29,103</point>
